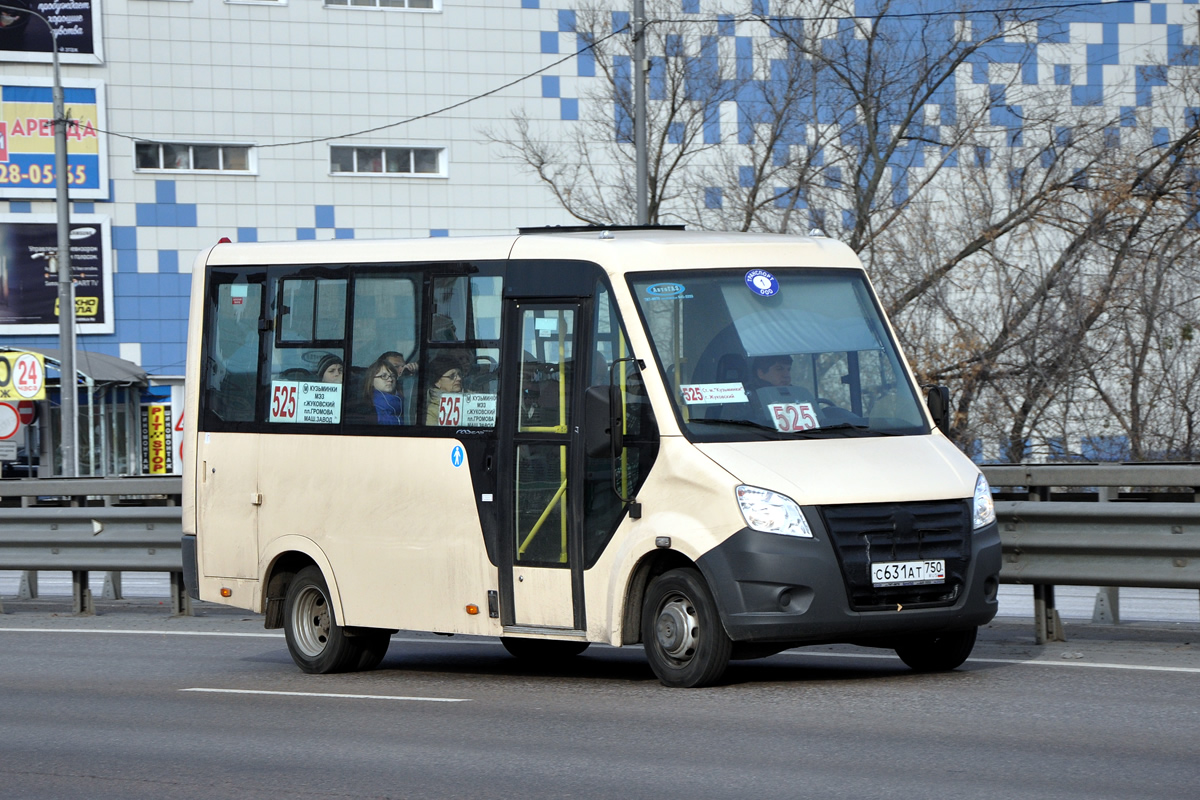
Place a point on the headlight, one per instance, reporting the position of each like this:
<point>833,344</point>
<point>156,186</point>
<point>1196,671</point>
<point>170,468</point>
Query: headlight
<point>771,512</point>
<point>983,511</point>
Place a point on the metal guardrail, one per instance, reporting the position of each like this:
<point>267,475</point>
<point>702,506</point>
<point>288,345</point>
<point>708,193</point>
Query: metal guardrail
<point>1118,539</point>
<point>82,525</point>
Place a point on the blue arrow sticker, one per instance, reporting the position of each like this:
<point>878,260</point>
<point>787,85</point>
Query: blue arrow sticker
<point>762,283</point>
<point>456,456</point>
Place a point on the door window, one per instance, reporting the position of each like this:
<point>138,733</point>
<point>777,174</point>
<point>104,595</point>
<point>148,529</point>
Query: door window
<point>545,385</point>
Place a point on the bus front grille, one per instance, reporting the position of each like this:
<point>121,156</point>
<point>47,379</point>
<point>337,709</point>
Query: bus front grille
<point>886,532</point>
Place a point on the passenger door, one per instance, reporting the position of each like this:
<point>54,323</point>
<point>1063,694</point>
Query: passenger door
<point>541,567</point>
<point>227,490</point>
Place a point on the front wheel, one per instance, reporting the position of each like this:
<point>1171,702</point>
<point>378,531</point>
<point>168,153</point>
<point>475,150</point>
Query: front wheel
<point>317,643</point>
<point>685,642</point>
<point>939,653</point>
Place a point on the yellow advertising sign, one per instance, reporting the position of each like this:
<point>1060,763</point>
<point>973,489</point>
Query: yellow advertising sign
<point>84,306</point>
<point>157,458</point>
<point>22,376</point>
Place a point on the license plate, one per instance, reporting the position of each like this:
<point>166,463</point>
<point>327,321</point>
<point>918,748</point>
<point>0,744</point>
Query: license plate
<point>908,573</point>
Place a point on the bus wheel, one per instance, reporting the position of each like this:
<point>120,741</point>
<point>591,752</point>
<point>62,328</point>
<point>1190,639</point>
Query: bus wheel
<point>315,640</point>
<point>682,632</point>
<point>940,653</point>
<point>373,647</point>
<point>543,650</point>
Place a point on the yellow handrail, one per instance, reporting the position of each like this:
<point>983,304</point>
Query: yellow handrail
<point>537,526</point>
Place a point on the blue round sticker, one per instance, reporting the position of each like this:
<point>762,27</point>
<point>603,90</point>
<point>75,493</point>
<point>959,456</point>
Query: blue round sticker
<point>762,283</point>
<point>456,456</point>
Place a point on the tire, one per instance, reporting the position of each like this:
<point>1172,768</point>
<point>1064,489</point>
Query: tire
<point>940,653</point>
<point>317,643</point>
<point>685,642</point>
<point>374,647</point>
<point>542,650</point>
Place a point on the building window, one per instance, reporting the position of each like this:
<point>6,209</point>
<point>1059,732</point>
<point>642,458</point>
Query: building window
<point>387,160</point>
<point>192,157</point>
<point>430,5</point>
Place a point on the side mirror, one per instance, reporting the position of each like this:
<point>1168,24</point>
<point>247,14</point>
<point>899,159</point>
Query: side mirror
<point>937,399</point>
<point>601,429</point>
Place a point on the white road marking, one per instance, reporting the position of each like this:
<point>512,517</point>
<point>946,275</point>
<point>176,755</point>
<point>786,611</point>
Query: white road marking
<point>1016,661</point>
<point>794,653</point>
<point>330,694</point>
<point>142,633</point>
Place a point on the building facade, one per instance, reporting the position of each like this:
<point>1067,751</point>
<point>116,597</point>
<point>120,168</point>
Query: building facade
<point>261,120</point>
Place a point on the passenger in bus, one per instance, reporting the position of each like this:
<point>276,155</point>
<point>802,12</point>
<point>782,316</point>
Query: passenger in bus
<point>449,380</point>
<point>399,363</point>
<point>331,369</point>
<point>378,401</point>
<point>406,380</point>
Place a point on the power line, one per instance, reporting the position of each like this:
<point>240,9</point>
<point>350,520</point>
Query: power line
<point>427,115</point>
<point>734,19</point>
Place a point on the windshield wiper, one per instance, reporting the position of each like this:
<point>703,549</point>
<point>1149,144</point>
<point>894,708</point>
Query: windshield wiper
<point>745,422</point>
<point>844,429</point>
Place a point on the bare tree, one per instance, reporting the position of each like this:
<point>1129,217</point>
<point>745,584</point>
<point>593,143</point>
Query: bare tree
<point>591,174</point>
<point>1029,259</point>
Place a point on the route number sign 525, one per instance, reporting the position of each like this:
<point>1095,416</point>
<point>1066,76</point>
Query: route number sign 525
<point>792,417</point>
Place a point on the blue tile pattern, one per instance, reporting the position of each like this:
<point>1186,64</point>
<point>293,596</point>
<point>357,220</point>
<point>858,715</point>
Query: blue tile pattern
<point>1118,56</point>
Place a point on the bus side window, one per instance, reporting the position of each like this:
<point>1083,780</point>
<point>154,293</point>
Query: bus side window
<point>232,362</point>
<point>387,307</point>
<point>307,351</point>
<point>460,371</point>
<point>603,507</point>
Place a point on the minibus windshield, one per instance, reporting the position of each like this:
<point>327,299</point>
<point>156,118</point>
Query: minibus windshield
<point>776,354</point>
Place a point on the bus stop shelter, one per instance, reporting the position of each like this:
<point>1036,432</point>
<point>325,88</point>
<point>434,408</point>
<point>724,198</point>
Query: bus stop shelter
<point>109,415</point>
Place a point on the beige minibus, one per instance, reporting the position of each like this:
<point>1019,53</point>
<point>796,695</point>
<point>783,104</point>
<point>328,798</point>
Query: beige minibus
<point>706,444</point>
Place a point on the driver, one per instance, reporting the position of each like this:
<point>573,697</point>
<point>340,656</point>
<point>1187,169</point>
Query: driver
<point>773,370</point>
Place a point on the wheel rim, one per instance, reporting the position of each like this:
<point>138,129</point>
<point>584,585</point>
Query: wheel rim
<point>676,628</point>
<point>310,617</point>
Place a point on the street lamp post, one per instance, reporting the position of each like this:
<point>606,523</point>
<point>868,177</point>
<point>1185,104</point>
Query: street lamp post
<point>69,395</point>
<point>639,111</point>
<point>66,288</point>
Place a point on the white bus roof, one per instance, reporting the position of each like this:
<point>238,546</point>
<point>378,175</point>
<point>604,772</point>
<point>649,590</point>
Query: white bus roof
<point>617,251</point>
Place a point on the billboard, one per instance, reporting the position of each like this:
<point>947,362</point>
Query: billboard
<point>29,294</point>
<point>22,377</point>
<point>24,37</point>
<point>27,140</point>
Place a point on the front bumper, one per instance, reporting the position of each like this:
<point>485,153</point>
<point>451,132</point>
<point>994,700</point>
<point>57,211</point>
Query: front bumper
<point>772,588</point>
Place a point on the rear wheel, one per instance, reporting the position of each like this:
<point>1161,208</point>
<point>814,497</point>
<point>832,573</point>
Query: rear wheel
<point>685,642</point>
<point>938,653</point>
<point>542,650</point>
<point>317,643</point>
<point>373,645</point>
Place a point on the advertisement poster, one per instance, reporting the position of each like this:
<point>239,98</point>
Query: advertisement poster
<point>22,377</point>
<point>29,293</point>
<point>24,37</point>
<point>157,450</point>
<point>27,140</point>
